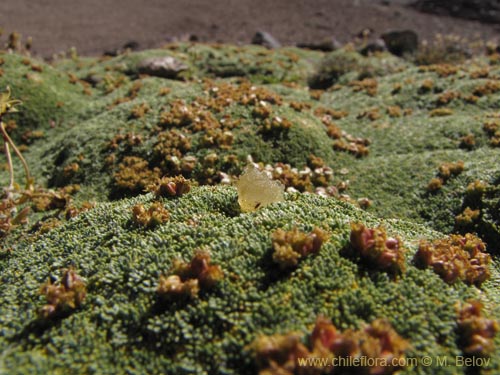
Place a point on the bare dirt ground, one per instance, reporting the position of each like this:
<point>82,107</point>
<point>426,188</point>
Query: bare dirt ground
<point>95,26</point>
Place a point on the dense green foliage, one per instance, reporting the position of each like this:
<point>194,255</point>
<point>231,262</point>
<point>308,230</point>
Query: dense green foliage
<point>82,118</point>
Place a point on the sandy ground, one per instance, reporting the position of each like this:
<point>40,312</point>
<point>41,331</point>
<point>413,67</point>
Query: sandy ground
<point>95,26</point>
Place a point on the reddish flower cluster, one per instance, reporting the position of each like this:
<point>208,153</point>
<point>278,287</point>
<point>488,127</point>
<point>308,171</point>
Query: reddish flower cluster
<point>456,257</point>
<point>290,247</point>
<point>373,246</point>
<point>188,278</point>
<point>476,332</point>
<point>170,187</point>
<point>63,297</point>
<point>280,354</point>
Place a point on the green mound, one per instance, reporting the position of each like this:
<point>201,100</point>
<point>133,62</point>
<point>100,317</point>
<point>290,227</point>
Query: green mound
<point>122,328</point>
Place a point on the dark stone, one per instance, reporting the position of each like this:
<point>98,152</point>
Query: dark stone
<point>165,66</point>
<point>326,45</point>
<point>265,39</point>
<point>131,45</point>
<point>481,10</point>
<point>111,53</point>
<point>400,43</point>
<point>378,45</point>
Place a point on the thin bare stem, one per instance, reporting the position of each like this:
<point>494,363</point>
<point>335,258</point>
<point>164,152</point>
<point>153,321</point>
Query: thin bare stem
<point>18,153</point>
<point>9,164</point>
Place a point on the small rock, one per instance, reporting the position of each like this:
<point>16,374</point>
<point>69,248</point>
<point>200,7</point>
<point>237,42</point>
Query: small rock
<point>377,45</point>
<point>166,67</point>
<point>326,45</point>
<point>131,45</point>
<point>111,53</point>
<point>265,39</point>
<point>401,42</point>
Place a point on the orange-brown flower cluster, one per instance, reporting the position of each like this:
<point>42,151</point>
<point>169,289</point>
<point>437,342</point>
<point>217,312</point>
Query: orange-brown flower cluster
<point>63,297</point>
<point>300,106</point>
<point>443,70</point>
<point>9,218</point>
<point>356,146</point>
<point>476,188</point>
<point>447,97</point>
<point>467,217</point>
<point>172,143</point>
<point>468,141</point>
<point>222,139</point>
<point>128,139</point>
<point>456,258</point>
<point>45,200</point>
<point>441,112</point>
<point>156,214</point>
<point>245,93</point>
<point>426,86</point>
<point>342,140</point>
<point>280,354</point>
<point>170,187</point>
<point>182,114</point>
<point>139,111</point>
<point>371,114</point>
<point>490,87</point>
<point>291,246</point>
<point>369,85</point>
<point>332,113</point>
<point>187,278</point>
<point>481,72</point>
<point>374,247</point>
<point>134,174</point>
<point>492,129</point>
<point>71,169</point>
<point>394,111</point>
<point>276,124</point>
<point>445,172</point>
<point>476,332</point>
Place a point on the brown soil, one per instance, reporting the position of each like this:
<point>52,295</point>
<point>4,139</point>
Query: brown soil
<point>95,26</point>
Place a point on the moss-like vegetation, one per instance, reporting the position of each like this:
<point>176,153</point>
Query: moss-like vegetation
<point>122,263</point>
<point>376,132</point>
